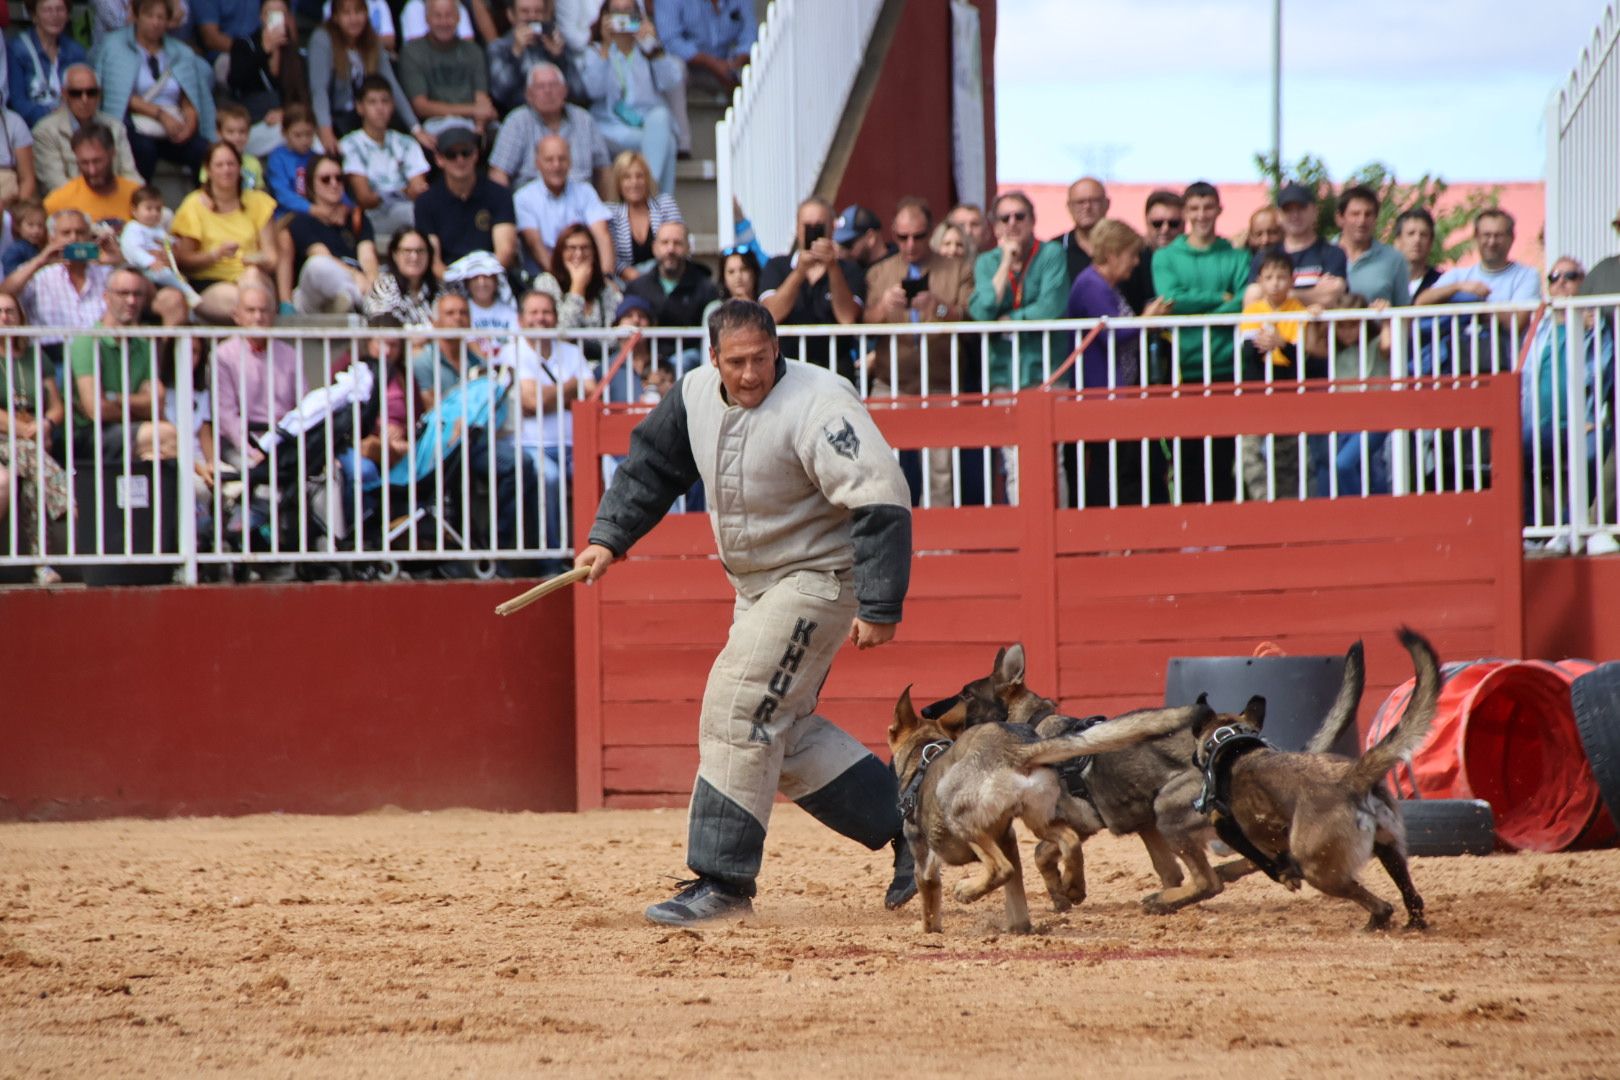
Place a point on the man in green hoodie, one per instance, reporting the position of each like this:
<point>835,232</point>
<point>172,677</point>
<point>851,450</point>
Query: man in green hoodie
<point>1202,274</point>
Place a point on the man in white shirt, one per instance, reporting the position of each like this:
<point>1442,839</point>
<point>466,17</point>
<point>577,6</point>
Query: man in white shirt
<point>1495,278</point>
<point>547,206</point>
<point>551,374</point>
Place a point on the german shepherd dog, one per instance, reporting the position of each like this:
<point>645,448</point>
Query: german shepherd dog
<point>960,796</point>
<point>1331,813</point>
<point>1147,789</point>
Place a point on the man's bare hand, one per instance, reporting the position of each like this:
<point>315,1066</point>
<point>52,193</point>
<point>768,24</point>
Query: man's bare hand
<point>866,635</point>
<point>596,557</point>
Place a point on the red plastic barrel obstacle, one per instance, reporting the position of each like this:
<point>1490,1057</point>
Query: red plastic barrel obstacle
<point>1504,731</point>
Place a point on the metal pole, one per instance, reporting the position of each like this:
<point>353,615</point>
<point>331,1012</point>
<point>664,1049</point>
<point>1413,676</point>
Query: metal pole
<point>1276,84</point>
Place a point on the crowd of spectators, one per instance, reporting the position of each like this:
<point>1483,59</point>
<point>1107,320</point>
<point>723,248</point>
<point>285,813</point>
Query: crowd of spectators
<point>444,166</point>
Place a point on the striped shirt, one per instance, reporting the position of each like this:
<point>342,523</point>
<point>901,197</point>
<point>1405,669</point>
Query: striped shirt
<point>661,208</point>
<point>49,298</point>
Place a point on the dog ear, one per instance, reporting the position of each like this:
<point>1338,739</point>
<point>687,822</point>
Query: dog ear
<point>1255,712</point>
<point>905,716</point>
<point>1010,665</point>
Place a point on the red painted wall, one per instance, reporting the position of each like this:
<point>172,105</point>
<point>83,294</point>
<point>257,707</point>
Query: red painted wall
<point>307,699</point>
<point>1572,608</point>
<point>904,146</point>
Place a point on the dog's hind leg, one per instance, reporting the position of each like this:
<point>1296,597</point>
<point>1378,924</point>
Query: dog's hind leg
<point>1062,864</point>
<point>1012,890</point>
<point>994,870</point>
<point>1233,869</point>
<point>1047,854</point>
<point>1394,861</point>
<point>1379,910</point>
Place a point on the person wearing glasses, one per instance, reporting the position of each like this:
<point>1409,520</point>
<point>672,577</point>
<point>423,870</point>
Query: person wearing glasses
<point>160,89</point>
<point>1088,204</point>
<point>1020,279</point>
<point>330,250</point>
<point>54,164</point>
<point>407,287</point>
<point>463,212</point>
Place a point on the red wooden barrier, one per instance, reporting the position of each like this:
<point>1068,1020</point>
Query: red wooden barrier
<point>1101,598</point>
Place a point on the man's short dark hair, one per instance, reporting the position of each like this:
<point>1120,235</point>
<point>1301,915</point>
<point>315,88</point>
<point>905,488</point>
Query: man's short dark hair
<point>1275,258</point>
<point>1417,213</point>
<point>1495,212</point>
<point>385,320</point>
<point>740,315</point>
<point>1200,189</point>
<point>1162,197</point>
<point>374,82</point>
<point>93,132</point>
<point>1357,191</point>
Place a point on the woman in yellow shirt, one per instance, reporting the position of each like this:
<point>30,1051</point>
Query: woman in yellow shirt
<point>223,236</point>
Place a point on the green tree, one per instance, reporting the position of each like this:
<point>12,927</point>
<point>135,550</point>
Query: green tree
<point>1394,199</point>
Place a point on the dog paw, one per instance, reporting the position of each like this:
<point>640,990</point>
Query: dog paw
<point>1378,922</point>
<point>1154,904</point>
<point>965,892</point>
<point>1417,922</point>
<point>1060,904</point>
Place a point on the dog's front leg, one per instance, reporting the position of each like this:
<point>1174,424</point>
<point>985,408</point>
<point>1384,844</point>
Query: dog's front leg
<point>1013,891</point>
<point>994,870</point>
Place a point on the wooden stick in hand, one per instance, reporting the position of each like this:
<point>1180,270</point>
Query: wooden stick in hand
<point>545,588</point>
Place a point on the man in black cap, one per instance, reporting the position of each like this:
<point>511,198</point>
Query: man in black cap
<point>859,236</point>
<point>463,211</point>
<point>1320,268</point>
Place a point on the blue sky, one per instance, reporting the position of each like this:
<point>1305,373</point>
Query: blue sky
<point>1148,90</point>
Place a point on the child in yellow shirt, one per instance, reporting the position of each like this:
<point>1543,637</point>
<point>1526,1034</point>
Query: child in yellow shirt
<point>1274,350</point>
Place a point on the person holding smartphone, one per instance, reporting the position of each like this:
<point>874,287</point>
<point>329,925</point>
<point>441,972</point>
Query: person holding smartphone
<point>634,85</point>
<point>814,287</point>
<point>533,40</point>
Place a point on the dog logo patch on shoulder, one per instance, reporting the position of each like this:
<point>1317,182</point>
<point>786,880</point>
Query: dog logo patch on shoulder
<point>845,441</point>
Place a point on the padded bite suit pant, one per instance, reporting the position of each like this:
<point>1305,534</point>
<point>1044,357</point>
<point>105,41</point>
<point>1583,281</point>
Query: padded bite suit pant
<point>759,732</point>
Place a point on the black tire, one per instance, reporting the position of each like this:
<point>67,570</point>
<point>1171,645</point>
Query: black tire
<point>1596,697</point>
<point>1448,826</point>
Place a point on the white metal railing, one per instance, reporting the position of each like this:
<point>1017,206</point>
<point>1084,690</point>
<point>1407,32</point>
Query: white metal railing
<point>775,137</point>
<point>478,492</point>
<point>1583,150</point>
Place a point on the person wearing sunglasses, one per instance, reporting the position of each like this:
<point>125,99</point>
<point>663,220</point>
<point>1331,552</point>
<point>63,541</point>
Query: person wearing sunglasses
<point>329,251</point>
<point>463,212</point>
<point>54,164</point>
<point>1019,280</point>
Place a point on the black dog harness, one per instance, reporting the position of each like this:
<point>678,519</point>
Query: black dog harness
<point>1073,771</point>
<point>1221,751</point>
<point>908,797</point>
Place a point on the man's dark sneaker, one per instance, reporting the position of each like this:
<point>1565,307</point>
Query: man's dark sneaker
<point>700,901</point>
<point>904,885</point>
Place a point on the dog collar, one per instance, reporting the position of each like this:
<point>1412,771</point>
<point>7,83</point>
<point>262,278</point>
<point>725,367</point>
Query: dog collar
<point>1221,751</point>
<point>908,797</point>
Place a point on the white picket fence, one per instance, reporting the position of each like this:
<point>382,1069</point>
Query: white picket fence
<point>1583,150</point>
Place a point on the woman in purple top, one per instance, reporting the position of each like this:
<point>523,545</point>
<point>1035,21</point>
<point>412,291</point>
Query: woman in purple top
<point>1115,250</point>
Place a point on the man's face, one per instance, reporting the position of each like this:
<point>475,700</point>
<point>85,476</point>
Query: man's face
<point>10,310</point>
<point>83,96</point>
<point>814,214</point>
<point>1201,212</point>
<point>458,163</point>
<point>1265,229</point>
<point>670,249</point>
<point>442,18</point>
<point>546,92</point>
<point>254,311</point>
<point>73,228</point>
<point>1298,220</point>
<point>1494,238</point>
<point>1415,241</point>
<point>1164,224</point>
<point>911,236</point>
<point>1356,222</point>
<point>126,296</point>
<point>635,317</point>
<point>528,11</point>
<point>554,159</point>
<point>453,313</point>
<point>1088,203</point>
<point>1564,279</point>
<point>95,164</point>
<point>539,312</point>
<point>376,109</point>
<point>746,358</point>
<point>1014,221</point>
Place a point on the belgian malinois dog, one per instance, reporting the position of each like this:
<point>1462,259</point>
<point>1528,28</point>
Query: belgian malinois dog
<point>1329,813</point>
<point>1147,789</point>
<point>960,796</point>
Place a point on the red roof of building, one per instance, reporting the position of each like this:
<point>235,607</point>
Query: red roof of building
<point>1525,200</point>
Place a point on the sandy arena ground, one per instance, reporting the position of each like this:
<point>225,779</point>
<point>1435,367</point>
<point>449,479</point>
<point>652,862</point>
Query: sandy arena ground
<point>463,943</point>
